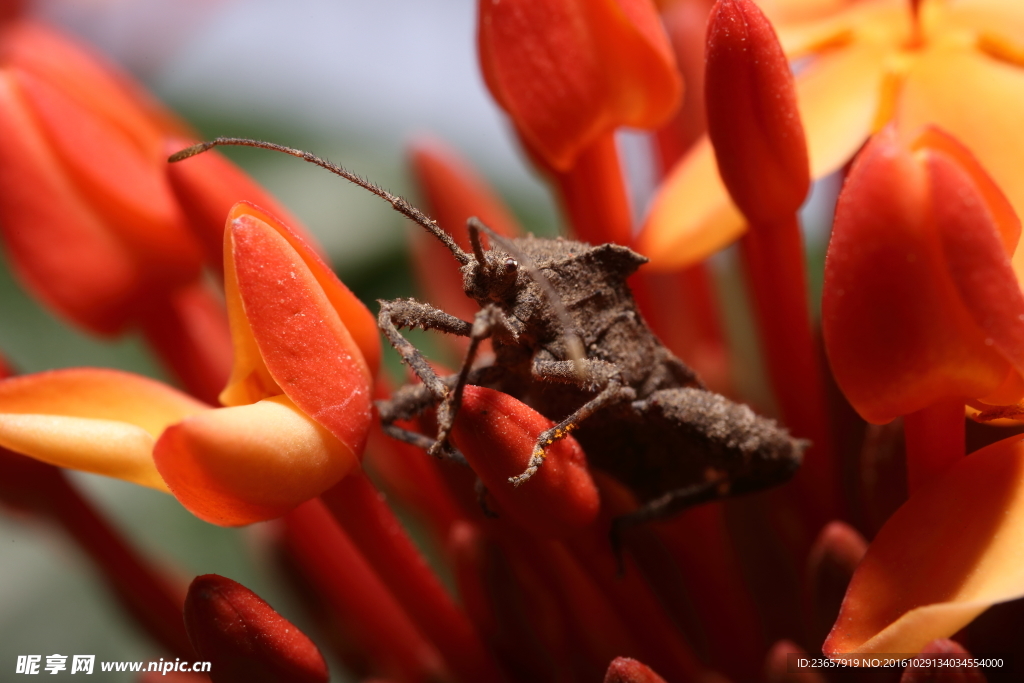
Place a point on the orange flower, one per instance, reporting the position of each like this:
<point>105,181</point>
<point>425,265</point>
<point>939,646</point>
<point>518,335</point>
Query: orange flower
<point>298,403</point>
<point>920,300</point>
<point>866,64</point>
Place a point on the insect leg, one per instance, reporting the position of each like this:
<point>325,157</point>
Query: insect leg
<point>601,375</point>
<point>409,313</point>
<point>483,325</point>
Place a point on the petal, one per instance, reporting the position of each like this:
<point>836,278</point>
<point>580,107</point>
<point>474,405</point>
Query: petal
<point>235,466</point>
<point>981,112</point>
<point>897,333</point>
<point>244,638</point>
<point>92,279</point>
<point>303,344</point>
<point>360,323</point>
<point>691,216</point>
<point>626,670</point>
<point>977,259</point>
<point>837,121</point>
<point>114,449</point>
<point>99,394</point>
<point>948,554</point>
<point>497,434</point>
<point>752,116</point>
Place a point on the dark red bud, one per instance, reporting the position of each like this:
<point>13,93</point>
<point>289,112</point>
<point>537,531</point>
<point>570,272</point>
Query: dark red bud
<point>244,639</point>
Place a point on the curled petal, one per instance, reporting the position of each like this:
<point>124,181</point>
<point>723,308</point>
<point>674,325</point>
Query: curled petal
<point>752,114</point>
<point>497,434</point>
<point>898,334</point>
<point>291,331</point>
<point>244,639</point>
<point>948,554</point>
<point>567,71</point>
<point>249,463</point>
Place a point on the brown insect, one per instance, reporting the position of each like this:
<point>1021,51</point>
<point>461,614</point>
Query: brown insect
<point>569,341</point>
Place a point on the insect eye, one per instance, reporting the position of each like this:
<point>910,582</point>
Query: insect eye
<point>511,263</point>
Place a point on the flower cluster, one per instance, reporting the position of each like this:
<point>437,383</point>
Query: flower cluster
<point>890,539</point>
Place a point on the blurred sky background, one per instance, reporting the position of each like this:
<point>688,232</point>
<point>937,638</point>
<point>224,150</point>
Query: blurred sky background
<point>353,81</point>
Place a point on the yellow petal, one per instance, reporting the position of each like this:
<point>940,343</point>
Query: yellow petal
<point>983,111</point>
<point>838,96</point>
<point>114,449</point>
<point>99,394</point>
<point>949,553</point>
<point>249,463</point>
<point>691,216</point>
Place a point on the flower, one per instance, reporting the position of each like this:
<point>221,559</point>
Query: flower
<point>298,403</point>
<point>862,65</point>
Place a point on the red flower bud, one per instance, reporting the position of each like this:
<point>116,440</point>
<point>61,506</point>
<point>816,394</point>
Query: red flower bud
<point>497,434</point>
<point>752,116</point>
<point>625,670</point>
<point>244,639</point>
<point>568,71</point>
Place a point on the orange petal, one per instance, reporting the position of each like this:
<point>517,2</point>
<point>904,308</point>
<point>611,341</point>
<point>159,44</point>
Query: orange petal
<point>100,421</point>
<point>691,216</point>
<point>454,192</point>
<point>977,259</point>
<point>235,466</point>
<point>981,112</point>
<point>497,434</point>
<point>837,121</point>
<point>113,449</point>
<point>100,394</point>
<point>303,342</point>
<point>567,71</point>
<point>752,115</point>
<point>948,554</point>
<point>897,333</point>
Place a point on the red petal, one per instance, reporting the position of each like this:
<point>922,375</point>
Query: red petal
<point>244,639</point>
<point>497,434</point>
<point>302,336</point>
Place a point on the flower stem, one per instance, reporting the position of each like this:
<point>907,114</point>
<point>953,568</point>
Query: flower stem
<point>773,259</point>
<point>935,438</point>
<point>594,195</point>
<point>360,509</point>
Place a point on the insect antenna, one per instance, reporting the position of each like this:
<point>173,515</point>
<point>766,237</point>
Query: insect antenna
<point>573,344</point>
<point>398,203</point>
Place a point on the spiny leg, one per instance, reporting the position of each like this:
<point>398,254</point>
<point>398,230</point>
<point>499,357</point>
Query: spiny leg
<point>483,325</point>
<point>599,374</point>
<point>409,313</point>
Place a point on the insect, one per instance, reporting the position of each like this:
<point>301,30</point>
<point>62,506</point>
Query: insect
<point>569,341</point>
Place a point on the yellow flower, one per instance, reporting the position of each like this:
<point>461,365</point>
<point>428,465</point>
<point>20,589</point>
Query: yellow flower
<point>861,65</point>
